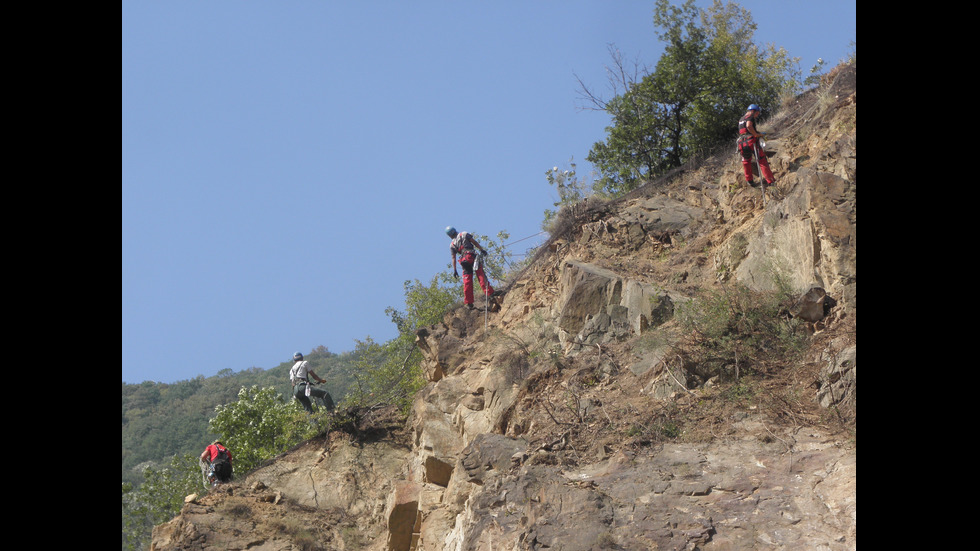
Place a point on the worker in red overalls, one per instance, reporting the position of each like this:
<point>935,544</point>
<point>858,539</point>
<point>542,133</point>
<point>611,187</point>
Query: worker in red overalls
<point>464,245</point>
<point>215,463</point>
<point>748,145</point>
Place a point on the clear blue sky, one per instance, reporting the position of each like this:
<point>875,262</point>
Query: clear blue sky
<point>287,166</point>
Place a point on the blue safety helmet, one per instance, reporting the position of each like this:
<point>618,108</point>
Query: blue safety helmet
<point>451,231</point>
<point>297,356</point>
<point>754,107</point>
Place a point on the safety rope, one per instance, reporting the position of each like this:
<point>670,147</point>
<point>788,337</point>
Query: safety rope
<point>486,301</point>
<point>758,167</point>
<point>523,239</point>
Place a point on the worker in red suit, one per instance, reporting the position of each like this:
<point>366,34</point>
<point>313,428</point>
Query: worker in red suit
<point>748,145</point>
<point>465,245</point>
<point>215,462</point>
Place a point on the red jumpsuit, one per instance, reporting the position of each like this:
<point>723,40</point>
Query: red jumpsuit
<point>462,245</point>
<point>749,145</point>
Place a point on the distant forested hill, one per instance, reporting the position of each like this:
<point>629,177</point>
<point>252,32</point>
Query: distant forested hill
<point>160,419</point>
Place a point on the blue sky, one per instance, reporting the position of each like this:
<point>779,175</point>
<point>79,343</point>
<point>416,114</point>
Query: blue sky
<point>287,166</point>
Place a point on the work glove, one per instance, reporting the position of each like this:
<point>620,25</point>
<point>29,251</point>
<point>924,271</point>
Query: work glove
<point>455,274</point>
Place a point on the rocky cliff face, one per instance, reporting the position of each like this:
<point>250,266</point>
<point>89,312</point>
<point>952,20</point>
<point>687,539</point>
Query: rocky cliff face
<point>577,416</point>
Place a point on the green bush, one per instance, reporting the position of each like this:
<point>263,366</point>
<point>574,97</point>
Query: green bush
<point>259,425</point>
<point>158,499</point>
<point>739,330</point>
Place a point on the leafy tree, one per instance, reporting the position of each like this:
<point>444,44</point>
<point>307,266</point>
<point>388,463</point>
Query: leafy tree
<point>709,72</point>
<point>260,425</point>
<point>158,499</point>
<point>391,373</point>
<point>388,373</point>
<point>425,304</point>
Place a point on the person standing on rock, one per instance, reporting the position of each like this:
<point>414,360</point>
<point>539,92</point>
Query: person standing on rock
<point>215,463</point>
<point>748,145</point>
<point>299,377</point>
<point>464,245</point>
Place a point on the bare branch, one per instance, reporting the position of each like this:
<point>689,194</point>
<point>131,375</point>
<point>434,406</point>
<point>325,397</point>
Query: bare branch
<point>621,80</point>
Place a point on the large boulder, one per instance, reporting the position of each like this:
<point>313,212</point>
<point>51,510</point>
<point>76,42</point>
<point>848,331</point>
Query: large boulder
<point>806,240</point>
<point>597,305</point>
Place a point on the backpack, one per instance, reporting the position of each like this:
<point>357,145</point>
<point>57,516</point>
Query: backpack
<point>221,466</point>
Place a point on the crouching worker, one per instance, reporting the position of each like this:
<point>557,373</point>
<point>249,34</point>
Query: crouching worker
<point>299,376</point>
<point>216,463</point>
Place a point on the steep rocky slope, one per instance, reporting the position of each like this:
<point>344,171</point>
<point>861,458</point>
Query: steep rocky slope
<point>582,416</point>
